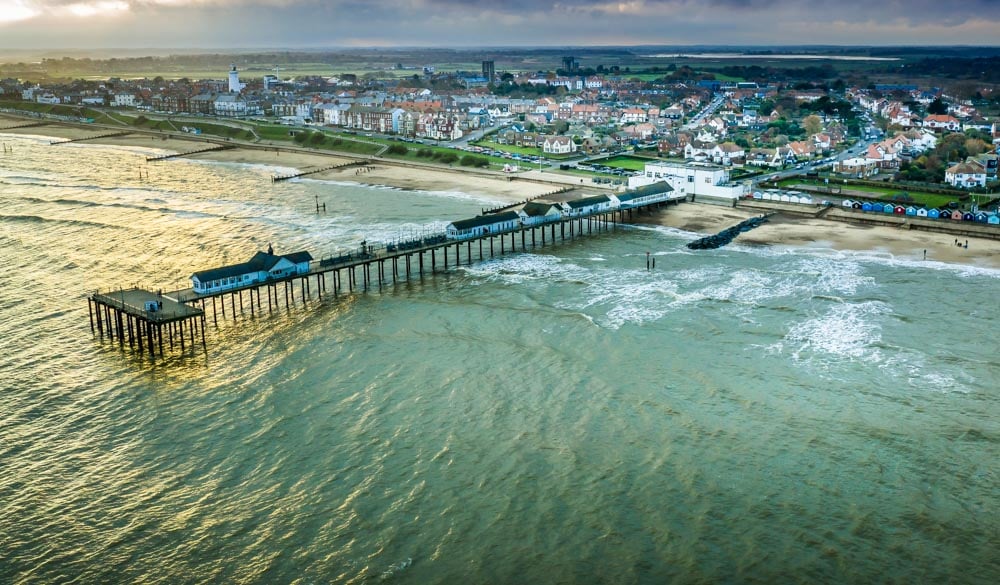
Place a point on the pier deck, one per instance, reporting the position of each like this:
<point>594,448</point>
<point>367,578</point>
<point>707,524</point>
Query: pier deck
<point>140,316</point>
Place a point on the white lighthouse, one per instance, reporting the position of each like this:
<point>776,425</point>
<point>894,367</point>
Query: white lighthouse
<point>234,80</point>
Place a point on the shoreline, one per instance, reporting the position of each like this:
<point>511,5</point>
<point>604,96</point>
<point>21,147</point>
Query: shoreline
<point>404,175</point>
<point>783,230</point>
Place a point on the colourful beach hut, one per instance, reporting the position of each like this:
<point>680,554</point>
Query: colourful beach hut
<point>857,205</point>
<point>933,213</point>
<point>889,208</point>
<point>848,203</point>
<point>922,212</point>
<point>956,215</point>
<point>968,216</point>
<point>899,210</point>
<point>867,206</point>
<point>994,219</point>
<point>981,217</point>
<point>911,211</point>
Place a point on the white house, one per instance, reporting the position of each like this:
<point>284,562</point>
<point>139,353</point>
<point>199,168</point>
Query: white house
<point>123,100</point>
<point>262,267</point>
<point>558,145</point>
<point>856,167</point>
<point>942,122</point>
<point>966,175</point>
<point>231,105</point>
<point>483,225</point>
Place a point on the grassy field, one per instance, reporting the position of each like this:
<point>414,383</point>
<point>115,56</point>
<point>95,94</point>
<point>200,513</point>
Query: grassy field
<point>630,163</point>
<point>522,150</point>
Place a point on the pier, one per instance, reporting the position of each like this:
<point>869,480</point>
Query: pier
<point>147,320</point>
<point>144,318</point>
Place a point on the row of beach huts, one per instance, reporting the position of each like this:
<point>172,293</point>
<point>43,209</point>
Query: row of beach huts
<point>991,218</point>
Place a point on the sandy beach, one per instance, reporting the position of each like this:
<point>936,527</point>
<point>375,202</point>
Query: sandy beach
<point>796,231</point>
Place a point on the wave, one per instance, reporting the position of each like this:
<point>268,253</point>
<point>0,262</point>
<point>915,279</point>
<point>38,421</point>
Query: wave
<point>443,194</point>
<point>48,220</point>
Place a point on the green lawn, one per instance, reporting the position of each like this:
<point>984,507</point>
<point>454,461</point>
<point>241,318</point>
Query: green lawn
<point>630,163</point>
<point>522,150</point>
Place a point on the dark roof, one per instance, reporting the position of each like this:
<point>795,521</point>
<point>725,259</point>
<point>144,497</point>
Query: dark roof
<point>536,209</point>
<point>481,220</point>
<point>260,262</point>
<point>654,189</point>
<point>298,257</point>
<point>587,201</point>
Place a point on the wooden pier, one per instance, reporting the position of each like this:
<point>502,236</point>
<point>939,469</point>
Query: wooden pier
<point>124,315</point>
<point>188,153</point>
<point>144,318</point>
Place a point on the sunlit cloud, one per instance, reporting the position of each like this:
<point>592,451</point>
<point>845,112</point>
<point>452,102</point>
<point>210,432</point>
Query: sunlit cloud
<point>15,10</point>
<point>85,9</point>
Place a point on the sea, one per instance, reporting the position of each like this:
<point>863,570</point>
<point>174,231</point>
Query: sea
<point>753,414</point>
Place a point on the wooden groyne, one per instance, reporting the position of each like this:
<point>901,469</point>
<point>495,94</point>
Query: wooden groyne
<point>353,163</point>
<point>28,125</point>
<point>85,138</point>
<point>189,153</point>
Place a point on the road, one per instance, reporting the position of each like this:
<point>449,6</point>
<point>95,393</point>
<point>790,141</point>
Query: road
<point>707,111</point>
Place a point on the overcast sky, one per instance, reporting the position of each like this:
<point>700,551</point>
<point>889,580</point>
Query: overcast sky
<point>93,24</point>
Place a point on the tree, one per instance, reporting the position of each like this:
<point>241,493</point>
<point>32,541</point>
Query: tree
<point>813,124</point>
<point>560,126</point>
<point>937,107</point>
<point>974,146</point>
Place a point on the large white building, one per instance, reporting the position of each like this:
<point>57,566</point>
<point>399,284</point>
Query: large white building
<point>698,182</point>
